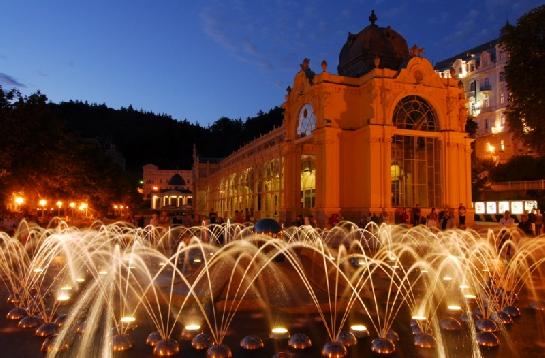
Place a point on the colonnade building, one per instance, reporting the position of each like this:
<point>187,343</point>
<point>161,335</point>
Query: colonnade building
<point>385,132</point>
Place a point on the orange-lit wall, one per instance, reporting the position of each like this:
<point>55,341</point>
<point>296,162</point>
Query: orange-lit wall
<point>352,142</point>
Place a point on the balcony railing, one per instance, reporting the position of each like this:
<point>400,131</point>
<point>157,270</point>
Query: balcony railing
<point>518,185</point>
<point>485,87</point>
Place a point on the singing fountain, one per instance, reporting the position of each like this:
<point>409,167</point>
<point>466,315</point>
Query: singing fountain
<point>92,291</point>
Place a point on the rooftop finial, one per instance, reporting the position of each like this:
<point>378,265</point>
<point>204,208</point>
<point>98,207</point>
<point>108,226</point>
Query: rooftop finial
<point>373,18</point>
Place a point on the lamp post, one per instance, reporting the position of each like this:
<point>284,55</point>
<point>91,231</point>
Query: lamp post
<point>83,208</point>
<point>19,201</point>
<point>42,203</point>
<point>59,206</point>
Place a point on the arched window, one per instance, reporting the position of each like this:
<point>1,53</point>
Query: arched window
<point>415,167</point>
<point>307,121</point>
<point>412,112</point>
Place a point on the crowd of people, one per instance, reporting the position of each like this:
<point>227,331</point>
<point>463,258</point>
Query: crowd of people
<point>444,219</point>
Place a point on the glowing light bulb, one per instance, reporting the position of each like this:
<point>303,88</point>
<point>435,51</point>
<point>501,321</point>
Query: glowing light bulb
<point>454,307</point>
<point>358,328</point>
<point>419,318</point>
<point>63,296</point>
<point>80,279</point>
<point>447,278</point>
<point>66,288</point>
<point>470,296</point>
<point>197,260</point>
<point>279,332</point>
<point>102,272</point>
<point>192,327</point>
<point>38,270</point>
<point>128,319</point>
<point>463,286</point>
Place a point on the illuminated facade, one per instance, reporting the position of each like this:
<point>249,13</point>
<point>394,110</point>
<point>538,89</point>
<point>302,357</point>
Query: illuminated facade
<point>167,188</point>
<point>481,70</point>
<point>385,132</point>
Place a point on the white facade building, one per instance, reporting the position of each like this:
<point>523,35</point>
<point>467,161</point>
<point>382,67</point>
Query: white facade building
<point>481,71</point>
<point>167,188</point>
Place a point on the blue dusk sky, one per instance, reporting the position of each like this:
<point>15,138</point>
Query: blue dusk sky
<point>201,60</point>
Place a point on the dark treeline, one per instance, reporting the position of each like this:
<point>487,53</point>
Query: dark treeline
<point>76,149</point>
<point>145,137</point>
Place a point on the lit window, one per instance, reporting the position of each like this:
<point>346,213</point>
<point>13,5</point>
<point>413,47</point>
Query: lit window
<point>307,121</point>
<point>490,148</point>
<point>502,146</point>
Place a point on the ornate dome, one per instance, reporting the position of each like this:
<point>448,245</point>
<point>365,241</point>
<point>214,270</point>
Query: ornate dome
<point>361,52</point>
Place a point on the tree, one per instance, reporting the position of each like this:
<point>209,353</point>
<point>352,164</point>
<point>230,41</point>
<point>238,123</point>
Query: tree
<point>525,74</point>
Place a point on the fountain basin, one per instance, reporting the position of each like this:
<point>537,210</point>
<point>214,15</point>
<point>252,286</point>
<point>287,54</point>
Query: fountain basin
<point>299,341</point>
<point>334,349</point>
<point>166,348</point>
<point>383,346</point>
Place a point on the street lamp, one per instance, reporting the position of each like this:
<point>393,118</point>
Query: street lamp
<point>18,200</point>
<point>83,207</point>
<point>59,206</point>
<point>42,203</point>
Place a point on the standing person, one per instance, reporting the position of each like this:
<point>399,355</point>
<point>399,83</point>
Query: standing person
<point>407,216</point>
<point>416,215</point>
<point>525,225</point>
<point>462,216</point>
<point>154,220</point>
<point>432,219</point>
<point>212,216</point>
<point>539,222</point>
<point>444,218</point>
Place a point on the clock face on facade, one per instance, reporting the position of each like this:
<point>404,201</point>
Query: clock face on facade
<point>307,121</point>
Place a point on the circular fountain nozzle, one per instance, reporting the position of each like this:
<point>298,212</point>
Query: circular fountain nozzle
<point>334,349</point>
<point>15,314</point>
<point>13,299</point>
<point>121,342</point>
<point>30,322</point>
<point>61,319</point>
<point>251,343</point>
<point>299,341</point>
<point>487,340</point>
<point>502,317</point>
<point>359,330</point>
<point>219,351</point>
<point>424,340</point>
<point>46,329</point>
<point>450,324</point>
<point>512,311</point>
<point>202,341</point>
<point>153,338</point>
<point>383,346</point>
<point>190,331</point>
<point>486,325</point>
<point>166,348</point>
<point>348,339</point>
